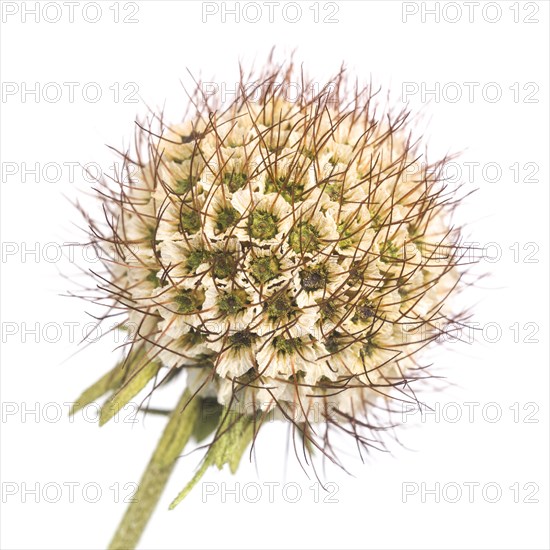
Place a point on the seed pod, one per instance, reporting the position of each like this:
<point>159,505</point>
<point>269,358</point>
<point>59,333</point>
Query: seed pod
<point>287,255</point>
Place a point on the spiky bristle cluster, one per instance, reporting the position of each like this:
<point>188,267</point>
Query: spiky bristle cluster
<point>287,254</point>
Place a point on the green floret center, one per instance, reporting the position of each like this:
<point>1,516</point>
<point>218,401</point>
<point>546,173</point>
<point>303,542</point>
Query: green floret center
<point>151,232</point>
<point>184,185</point>
<point>286,345</point>
<point>356,274</point>
<point>308,153</point>
<point>304,237</point>
<point>388,252</point>
<point>234,180</point>
<point>334,191</point>
<point>298,377</point>
<point>332,344</point>
<point>152,278</point>
<point>327,310</point>
<point>226,218</point>
<point>196,258</point>
<point>265,268</point>
<point>290,190</point>
<point>279,307</point>
<point>262,225</point>
<point>188,301</point>
<point>325,381</point>
<point>363,312</point>
<point>345,235</point>
<point>376,221</point>
<point>368,348</point>
<point>224,264</point>
<point>314,278</point>
<point>233,302</point>
<point>190,220</point>
<point>242,339</point>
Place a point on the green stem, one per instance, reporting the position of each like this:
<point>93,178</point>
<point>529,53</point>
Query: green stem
<point>154,479</point>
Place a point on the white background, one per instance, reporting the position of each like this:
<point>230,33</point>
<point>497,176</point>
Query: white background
<point>374,40</point>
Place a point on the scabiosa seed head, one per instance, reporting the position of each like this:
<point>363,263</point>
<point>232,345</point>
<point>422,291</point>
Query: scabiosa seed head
<point>276,251</point>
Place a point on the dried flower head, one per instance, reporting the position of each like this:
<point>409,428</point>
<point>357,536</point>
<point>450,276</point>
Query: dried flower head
<point>291,256</point>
